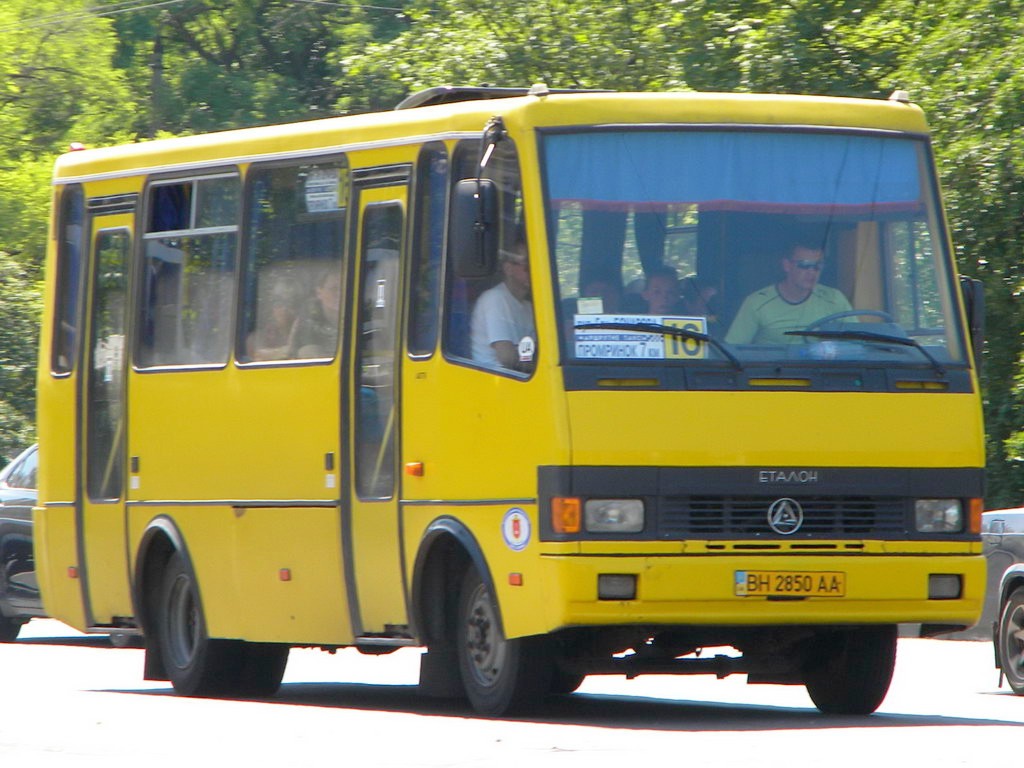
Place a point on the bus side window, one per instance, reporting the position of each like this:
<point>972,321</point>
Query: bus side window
<point>291,267</point>
<point>189,272</point>
<point>428,239</point>
<point>510,279</point>
<point>69,277</point>
<point>460,292</point>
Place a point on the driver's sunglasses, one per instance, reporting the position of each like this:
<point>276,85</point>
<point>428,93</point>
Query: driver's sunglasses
<point>808,264</point>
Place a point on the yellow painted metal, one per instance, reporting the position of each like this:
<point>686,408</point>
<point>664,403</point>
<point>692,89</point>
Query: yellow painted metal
<point>375,541</point>
<point>776,429</point>
<point>210,443</point>
<point>264,574</point>
<point>700,590</point>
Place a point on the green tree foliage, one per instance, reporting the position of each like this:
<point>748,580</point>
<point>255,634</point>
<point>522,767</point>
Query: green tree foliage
<point>965,68</point>
<point>105,71</point>
<point>19,333</point>
<point>202,65</point>
<point>58,86</point>
<point>629,44</point>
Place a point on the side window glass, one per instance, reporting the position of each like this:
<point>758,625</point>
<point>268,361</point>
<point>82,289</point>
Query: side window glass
<point>375,399</point>
<point>428,239</point>
<point>292,262</point>
<point>188,272</point>
<point>489,320</point>
<point>24,475</point>
<point>105,425</point>
<point>69,278</point>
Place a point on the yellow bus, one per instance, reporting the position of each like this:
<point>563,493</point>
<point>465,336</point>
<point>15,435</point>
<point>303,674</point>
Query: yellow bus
<point>545,383</point>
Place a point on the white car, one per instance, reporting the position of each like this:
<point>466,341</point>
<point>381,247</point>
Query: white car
<point>1002,534</point>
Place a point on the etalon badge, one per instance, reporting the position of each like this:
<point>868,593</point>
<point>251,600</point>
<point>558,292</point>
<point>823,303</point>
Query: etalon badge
<point>785,516</point>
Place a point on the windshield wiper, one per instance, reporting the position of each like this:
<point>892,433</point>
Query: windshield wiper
<point>667,330</point>
<point>879,338</point>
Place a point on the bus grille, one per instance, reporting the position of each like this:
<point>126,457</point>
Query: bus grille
<point>692,517</point>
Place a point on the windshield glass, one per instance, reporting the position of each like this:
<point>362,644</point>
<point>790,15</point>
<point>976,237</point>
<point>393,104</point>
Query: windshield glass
<point>775,244</point>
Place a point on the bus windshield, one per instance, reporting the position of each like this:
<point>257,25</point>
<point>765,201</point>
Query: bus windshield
<point>743,245</point>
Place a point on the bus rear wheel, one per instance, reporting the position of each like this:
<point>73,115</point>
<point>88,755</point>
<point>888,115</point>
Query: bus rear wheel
<point>499,675</point>
<point>198,665</point>
<point>848,671</point>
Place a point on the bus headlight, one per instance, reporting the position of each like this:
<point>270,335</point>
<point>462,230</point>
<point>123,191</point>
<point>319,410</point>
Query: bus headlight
<point>613,515</point>
<point>939,515</point>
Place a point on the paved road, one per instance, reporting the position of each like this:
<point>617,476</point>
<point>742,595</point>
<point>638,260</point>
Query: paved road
<point>71,700</point>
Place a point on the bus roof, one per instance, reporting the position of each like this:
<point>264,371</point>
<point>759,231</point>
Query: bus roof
<point>448,113</point>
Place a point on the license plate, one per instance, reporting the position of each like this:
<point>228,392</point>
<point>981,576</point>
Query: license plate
<point>789,584</point>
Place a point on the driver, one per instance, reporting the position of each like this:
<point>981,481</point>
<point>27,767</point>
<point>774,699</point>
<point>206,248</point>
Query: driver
<point>791,304</point>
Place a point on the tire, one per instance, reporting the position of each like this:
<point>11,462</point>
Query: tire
<point>261,669</point>
<point>499,676</point>
<point>848,672</point>
<point>9,629</point>
<point>1010,641</point>
<point>564,682</point>
<point>198,665</point>
<point>125,640</point>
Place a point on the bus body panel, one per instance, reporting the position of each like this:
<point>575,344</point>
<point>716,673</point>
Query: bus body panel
<point>700,590</point>
<point>264,574</point>
<point>775,429</point>
<point>55,541</point>
<point>275,428</point>
<point>503,432</point>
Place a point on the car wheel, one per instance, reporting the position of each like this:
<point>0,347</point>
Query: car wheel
<point>499,675</point>
<point>1010,640</point>
<point>9,629</point>
<point>848,671</point>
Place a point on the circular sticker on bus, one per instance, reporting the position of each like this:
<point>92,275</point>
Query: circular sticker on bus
<point>515,529</point>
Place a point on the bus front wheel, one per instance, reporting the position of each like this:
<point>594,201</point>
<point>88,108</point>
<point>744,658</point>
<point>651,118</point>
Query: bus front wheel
<point>848,671</point>
<point>198,665</point>
<point>499,675</point>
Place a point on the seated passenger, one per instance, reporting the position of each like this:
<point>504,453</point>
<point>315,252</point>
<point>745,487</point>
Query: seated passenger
<point>501,329</point>
<point>609,292</point>
<point>661,291</point>
<point>316,331</point>
<point>791,304</point>
<point>274,338</point>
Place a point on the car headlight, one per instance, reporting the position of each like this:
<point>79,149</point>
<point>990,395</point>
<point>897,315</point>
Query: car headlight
<point>938,515</point>
<point>613,515</point>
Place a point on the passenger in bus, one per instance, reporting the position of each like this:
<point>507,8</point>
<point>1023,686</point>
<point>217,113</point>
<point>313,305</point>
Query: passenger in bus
<point>791,304</point>
<point>274,337</point>
<point>316,331</point>
<point>666,294</point>
<point>501,328</point>
<point>608,291</point>
<point>661,291</point>
<point>698,299</point>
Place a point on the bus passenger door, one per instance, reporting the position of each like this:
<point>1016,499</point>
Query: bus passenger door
<point>373,544</point>
<point>102,554</point>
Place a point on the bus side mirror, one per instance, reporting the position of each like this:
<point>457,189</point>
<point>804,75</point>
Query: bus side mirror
<point>973,292</point>
<point>473,237</point>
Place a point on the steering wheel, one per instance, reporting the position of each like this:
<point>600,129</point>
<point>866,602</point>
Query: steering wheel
<point>885,316</point>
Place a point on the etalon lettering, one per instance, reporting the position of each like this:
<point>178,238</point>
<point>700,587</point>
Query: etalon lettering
<point>801,476</point>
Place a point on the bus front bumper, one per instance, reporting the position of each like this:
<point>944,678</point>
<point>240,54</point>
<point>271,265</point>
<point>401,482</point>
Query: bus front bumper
<point>742,590</point>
